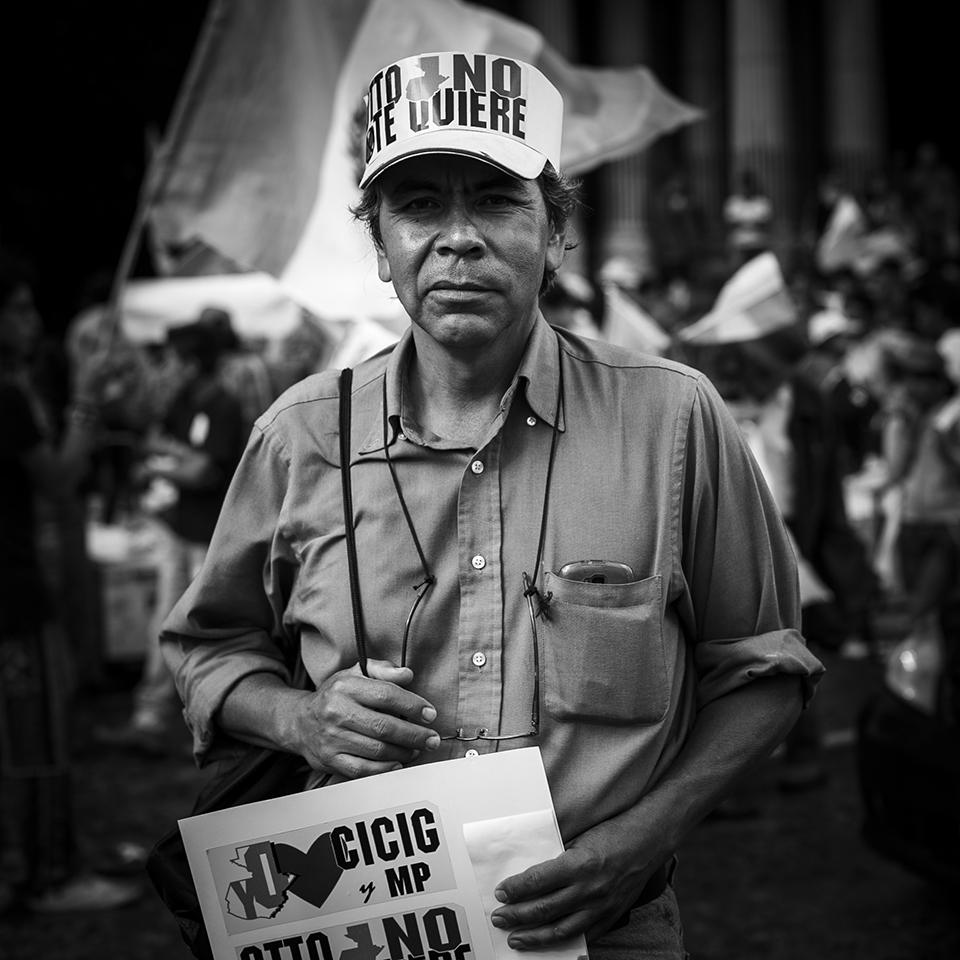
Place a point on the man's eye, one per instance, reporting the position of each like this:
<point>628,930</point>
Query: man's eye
<point>496,200</point>
<point>417,204</point>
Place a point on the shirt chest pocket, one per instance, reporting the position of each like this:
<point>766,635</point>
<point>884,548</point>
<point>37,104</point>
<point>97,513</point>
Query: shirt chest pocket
<point>603,651</point>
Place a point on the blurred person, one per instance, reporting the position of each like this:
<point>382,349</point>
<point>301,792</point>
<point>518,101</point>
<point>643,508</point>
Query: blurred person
<point>837,287</point>
<point>888,287</point>
<point>928,537</point>
<point>820,206</point>
<point>479,401</point>
<point>678,229</point>
<point>883,204</point>
<point>748,215</point>
<point>308,348</point>
<point>933,203</point>
<point>130,405</point>
<point>831,333</point>
<point>187,464</point>
<point>935,305</point>
<point>904,374</point>
<point>106,494</point>
<point>41,868</point>
<point>242,371</point>
<point>792,433</point>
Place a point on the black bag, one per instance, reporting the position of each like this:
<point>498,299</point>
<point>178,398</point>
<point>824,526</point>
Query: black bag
<point>258,773</point>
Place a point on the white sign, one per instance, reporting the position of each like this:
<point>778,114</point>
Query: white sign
<point>400,866</point>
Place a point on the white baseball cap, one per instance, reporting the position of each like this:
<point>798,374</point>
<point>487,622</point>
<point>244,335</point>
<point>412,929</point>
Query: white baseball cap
<point>828,323</point>
<point>498,109</point>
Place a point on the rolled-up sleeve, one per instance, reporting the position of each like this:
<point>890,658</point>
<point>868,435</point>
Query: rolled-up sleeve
<point>741,601</point>
<point>229,623</point>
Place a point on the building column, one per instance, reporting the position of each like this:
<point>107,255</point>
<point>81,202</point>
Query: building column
<point>855,135</point>
<point>624,31</point>
<point>703,83</point>
<point>556,20</point>
<point>758,58</point>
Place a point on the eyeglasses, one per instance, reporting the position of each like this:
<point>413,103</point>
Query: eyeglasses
<point>534,610</point>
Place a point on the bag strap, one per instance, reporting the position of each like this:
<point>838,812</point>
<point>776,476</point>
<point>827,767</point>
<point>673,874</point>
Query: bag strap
<point>346,385</point>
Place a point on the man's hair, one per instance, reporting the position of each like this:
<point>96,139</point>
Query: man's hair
<point>560,195</point>
<point>198,341</point>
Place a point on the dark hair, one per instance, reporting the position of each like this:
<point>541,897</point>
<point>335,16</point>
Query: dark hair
<point>560,195</point>
<point>197,341</point>
<point>221,323</point>
<point>770,360</point>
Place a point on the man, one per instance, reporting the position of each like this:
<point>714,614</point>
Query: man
<point>490,451</point>
<point>793,434</point>
<point>188,464</point>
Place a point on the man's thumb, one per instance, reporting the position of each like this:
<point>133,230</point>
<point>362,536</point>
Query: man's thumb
<point>386,670</point>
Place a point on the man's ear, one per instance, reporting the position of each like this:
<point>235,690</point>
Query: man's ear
<point>556,249</point>
<point>383,265</point>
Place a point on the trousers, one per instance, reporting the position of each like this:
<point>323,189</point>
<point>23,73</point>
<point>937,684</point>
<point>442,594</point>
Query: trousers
<point>178,561</point>
<point>37,840</point>
<point>654,932</point>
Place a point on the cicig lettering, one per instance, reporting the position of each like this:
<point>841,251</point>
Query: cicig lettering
<point>385,839</point>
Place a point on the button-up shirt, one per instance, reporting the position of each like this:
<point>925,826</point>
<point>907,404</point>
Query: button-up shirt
<point>650,470</point>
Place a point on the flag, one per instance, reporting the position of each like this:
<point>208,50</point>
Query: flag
<point>755,301</point>
<point>257,305</point>
<point>258,163</point>
<point>259,310</point>
<point>841,243</point>
<point>849,243</point>
<point>627,324</point>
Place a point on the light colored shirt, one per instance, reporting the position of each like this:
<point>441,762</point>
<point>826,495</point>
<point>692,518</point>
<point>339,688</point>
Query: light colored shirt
<point>650,470</point>
<point>931,488</point>
<point>748,219</point>
<point>766,428</point>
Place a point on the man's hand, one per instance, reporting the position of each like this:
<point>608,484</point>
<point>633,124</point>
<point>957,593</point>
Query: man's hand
<point>356,726</point>
<point>591,884</point>
<point>584,890</point>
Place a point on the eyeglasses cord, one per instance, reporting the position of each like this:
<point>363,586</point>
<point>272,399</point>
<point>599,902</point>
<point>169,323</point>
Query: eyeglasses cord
<point>530,590</point>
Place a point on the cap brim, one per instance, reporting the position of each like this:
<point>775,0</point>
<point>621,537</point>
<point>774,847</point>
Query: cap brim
<point>514,158</point>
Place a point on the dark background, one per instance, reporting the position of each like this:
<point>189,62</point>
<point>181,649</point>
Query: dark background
<point>85,85</point>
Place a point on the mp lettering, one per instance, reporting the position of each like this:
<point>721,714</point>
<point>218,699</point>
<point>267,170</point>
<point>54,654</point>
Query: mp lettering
<point>407,878</point>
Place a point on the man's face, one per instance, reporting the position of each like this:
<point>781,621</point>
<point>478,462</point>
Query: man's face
<point>465,246</point>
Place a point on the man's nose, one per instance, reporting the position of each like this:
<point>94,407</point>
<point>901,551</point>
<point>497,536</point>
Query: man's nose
<point>460,234</point>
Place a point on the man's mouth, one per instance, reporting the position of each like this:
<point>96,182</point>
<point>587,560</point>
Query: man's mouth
<point>450,286</point>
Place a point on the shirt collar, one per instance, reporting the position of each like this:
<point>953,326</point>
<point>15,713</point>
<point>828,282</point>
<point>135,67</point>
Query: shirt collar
<point>538,373</point>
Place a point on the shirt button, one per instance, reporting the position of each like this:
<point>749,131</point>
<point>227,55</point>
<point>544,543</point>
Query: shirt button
<point>478,562</point>
<point>479,658</point>
<point>477,466</point>
<point>472,753</point>
<point>531,421</point>
<point>401,436</point>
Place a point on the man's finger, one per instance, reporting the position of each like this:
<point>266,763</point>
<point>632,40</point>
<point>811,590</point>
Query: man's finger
<point>537,912</point>
<point>405,704</point>
<point>383,730</point>
<point>385,670</point>
<point>583,921</point>
<point>540,879</point>
<point>354,768</point>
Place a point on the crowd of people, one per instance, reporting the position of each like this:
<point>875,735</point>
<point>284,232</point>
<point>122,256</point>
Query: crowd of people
<point>856,392</point>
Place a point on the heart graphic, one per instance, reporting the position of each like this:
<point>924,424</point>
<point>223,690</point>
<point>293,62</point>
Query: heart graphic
<point>315,872</point>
